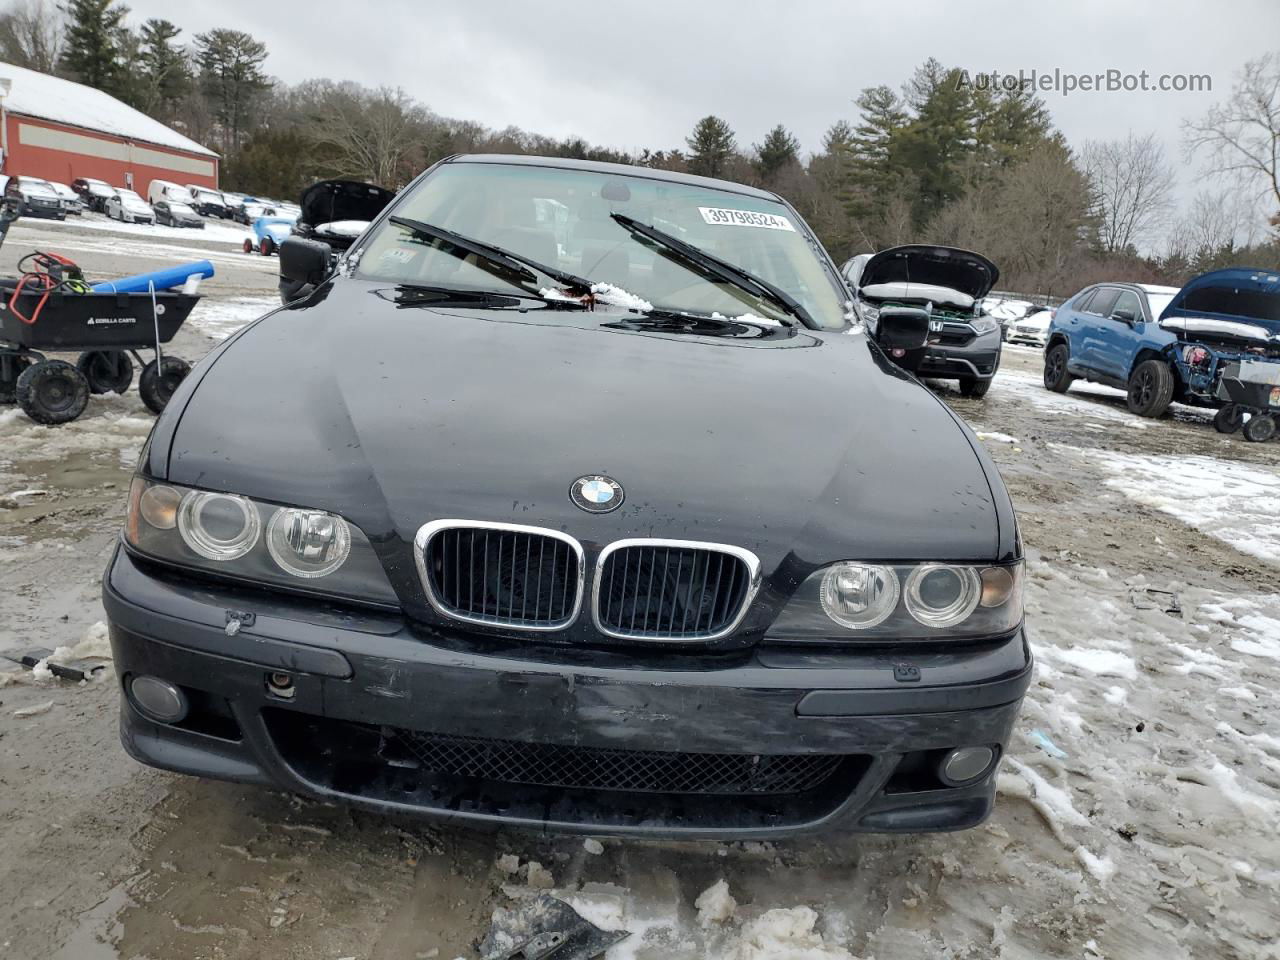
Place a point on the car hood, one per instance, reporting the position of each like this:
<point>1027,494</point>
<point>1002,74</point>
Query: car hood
<point>805,449</point>
<point>1244,301</point>
<point>970,273</point>
<point>331,200</point>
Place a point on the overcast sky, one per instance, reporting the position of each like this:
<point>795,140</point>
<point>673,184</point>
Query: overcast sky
<point>633,75</point>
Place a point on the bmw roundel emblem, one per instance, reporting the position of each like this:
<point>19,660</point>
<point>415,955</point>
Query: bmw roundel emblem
<point>596,494</point>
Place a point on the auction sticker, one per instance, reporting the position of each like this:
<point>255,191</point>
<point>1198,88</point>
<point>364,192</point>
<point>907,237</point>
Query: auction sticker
<point>724,217</point>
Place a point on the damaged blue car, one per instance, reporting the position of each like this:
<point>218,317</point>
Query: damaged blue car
<point>1215,344</point>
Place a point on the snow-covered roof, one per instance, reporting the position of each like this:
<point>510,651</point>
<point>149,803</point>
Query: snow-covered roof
<point>39,95</point>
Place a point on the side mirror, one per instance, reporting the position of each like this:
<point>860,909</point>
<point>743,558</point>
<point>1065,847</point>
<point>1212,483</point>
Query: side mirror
<point>902,332</point>
<point>902,328</point>
<point>1124,316</point>
<point>303,266</point>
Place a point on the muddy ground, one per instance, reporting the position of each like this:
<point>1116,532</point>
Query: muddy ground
<point>1139,806</point>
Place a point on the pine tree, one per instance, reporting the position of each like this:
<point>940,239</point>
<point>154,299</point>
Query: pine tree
<point>778,151</point>
<point>871,154</point>
<point>232,77</point>
<point>711,147</point>
<point>92,51</point>
<point>939,144</point>
<point>164,73</point>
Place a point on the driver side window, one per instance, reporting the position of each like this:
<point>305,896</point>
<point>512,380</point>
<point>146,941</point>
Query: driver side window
<point>1128,303</point>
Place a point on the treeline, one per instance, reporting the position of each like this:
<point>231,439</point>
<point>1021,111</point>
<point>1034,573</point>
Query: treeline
<point>947,158</point>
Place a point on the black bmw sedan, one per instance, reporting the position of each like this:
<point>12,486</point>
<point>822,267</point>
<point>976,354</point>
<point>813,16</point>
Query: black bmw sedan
<point>573,498</point>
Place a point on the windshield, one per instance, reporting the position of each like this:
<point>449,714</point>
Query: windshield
<point>176,207</point>
<point>562,218</point>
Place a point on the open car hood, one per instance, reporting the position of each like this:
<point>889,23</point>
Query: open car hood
<point>1243,302</point>
<point>331,200</point>
<point>923,265</point>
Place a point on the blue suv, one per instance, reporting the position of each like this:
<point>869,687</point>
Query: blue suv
<point>1161,344</point>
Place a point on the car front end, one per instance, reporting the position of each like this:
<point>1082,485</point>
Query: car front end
<point>549,560</point>
<point>964,343</point>
<point>1032,330</point>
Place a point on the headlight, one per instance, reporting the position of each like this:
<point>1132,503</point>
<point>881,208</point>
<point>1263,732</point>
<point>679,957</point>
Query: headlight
<point>859,595</point>
<point>308,543</point>
<point>218,526</point>
<point>942,596</point>
<point>234,536</point>
<point>926,601</point>
<point>983,325</point>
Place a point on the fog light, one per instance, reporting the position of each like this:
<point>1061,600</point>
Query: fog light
<point>281,684</point>
<point>158,699</point>
<point>964,765</point>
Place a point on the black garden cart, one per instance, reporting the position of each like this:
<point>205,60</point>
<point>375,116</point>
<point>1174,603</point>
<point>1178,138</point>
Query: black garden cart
<point>49,308</point>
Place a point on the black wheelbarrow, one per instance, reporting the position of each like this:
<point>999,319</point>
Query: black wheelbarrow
<point>106,328</point>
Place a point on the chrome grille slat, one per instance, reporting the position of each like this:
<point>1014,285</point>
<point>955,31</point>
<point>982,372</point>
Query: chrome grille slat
<point>677,590</point>
<point>472,571</point>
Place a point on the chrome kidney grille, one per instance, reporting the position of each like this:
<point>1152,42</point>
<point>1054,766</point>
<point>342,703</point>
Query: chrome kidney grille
<point>530,578</point>
<point>673,589</point>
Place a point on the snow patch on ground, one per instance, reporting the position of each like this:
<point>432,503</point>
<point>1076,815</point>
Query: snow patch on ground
<point>1235,502</point>
<point>221,318</point>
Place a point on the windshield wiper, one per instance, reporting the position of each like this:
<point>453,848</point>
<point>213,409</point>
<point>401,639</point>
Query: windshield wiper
<point>721,269</point>
<point>514,262</point>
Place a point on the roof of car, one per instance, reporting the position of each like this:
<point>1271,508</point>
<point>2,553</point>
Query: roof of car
<point>617,169</point>
<point>1157,288</point>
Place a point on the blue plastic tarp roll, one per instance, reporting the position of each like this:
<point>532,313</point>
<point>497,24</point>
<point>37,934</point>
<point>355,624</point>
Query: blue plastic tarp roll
<point>165,279</point>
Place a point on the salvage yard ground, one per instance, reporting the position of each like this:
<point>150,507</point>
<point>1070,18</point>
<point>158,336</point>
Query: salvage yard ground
<point>1138,814</point>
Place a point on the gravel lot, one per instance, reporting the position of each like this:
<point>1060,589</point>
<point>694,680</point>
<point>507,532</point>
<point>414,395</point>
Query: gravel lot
<point>1139,808</point>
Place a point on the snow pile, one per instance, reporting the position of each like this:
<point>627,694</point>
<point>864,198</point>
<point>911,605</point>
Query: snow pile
<point>996,437</point>
<point>715,904</point>
<point>784,934</point>
<point>617,297</point>
<point>220,318</point>
<point>1235,502</point>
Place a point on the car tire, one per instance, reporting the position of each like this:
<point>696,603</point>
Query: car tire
<point>107,371</point>
<point>52,391</point>
<point>1056,377</point>
<point>248,245</point>
<point>1260,428</point>
<point>266,247</point>
<point>974,388</point>
<point>1150,388</point>
<point>157,386</point>
<point>9,385</point>
<point>1228,419</point>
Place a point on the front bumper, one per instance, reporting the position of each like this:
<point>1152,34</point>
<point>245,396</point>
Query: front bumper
<point>978,359</point>
<point>366,686</point>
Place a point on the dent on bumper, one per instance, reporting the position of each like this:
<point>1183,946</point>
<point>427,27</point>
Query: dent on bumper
<point>359,682</point>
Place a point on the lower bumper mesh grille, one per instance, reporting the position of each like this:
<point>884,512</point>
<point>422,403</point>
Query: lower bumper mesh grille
<point>636,771</point>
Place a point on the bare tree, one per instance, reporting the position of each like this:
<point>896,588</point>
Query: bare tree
<point>1241,137</point>
<point>1215,220</point>
<point>31,35</point>
<point>371,133</point>
<point>1132,186</point>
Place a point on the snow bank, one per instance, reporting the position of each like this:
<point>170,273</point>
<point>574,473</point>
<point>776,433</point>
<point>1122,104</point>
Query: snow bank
<point>1235,502</point>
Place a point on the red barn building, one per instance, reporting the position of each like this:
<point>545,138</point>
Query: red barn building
<point>60,130</point>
